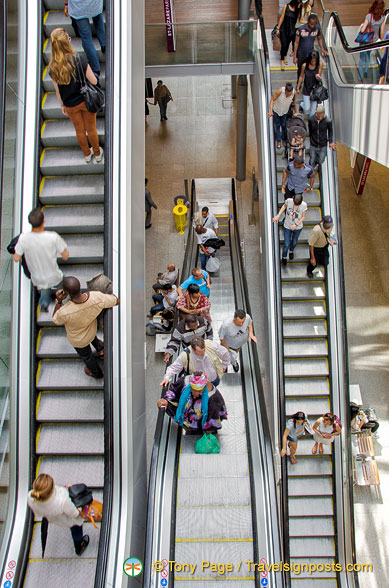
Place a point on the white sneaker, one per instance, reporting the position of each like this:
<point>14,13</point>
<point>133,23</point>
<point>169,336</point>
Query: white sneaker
<point>99,158</point>
<point>88,158</point>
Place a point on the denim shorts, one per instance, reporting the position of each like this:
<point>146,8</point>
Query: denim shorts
<point>292,440</point>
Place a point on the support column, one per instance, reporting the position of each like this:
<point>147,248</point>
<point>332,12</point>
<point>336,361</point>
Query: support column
<point>241,129</point>
<point>234,80</point>
<point>244,9</point>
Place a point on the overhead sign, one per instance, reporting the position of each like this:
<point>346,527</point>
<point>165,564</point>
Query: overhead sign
<point>168,7</point>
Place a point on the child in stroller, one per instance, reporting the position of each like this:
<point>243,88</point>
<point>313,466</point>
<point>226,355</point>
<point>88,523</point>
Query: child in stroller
<point>296,133</point>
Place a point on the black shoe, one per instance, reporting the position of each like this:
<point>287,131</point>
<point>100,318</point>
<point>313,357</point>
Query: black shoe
<point>162,119</point>
<point>84,545</point>
<point>310,274</point>
<point>235,367</point>
<point>44,309</point>
<point>284,261</point>
<point>165,117</point>
<point>103,49</point>
<point>148,226</point>
<point>291,255</point>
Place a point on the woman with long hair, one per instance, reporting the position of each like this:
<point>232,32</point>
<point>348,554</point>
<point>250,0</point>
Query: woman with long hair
<point>287,28</point>
<point>53,503</point>
<point>325,429</point>
<point>64,70</point>
<point>310,72</point>
<point>294,429</point>
<point>375,21</point>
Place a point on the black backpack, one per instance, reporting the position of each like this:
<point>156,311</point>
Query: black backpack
<point>11,249</point>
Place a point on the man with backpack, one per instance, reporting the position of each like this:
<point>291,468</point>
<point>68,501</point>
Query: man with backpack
<point>320,133</point>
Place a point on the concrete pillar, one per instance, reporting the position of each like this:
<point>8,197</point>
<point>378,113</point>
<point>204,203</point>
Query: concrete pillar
<point>241,129</point>
<point>234,80</point>
<point>244,9</point>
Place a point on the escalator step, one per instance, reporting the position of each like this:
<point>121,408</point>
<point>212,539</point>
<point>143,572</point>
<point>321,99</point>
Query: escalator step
<point>304,309</point>
<point>86,248</point>
<point>222,492</point>
<point>82,218</point>
<point>70,160</point>
<point>305,447</point>
<point>309,468</point>
<point>60,544</point>
<point>305,367</point>
<point>306,387</point>
<point>298,271</point>
<point>62,374</point>
<point>303,290</point>
<point>301,253</point>
<point>59,573</point>
<point>205,523</point>
<point>61,132</point>
<point>311,526</point>
<point>88,469</point>
<point>79,405</point>
<point>305,347</point>
<point>308,548</point>
<point>315,506</point>
<point>229,444</point>
<point>51,108</point>
<point>212,551</point>
<point>211,466</point>
<point>70,189</point>
<point>312,198</point>
<point>77,439</point>
<point>53,343</point>
<point>304,328</point>
<point>303,487</point>
<point>304,235</point>
<point>54,19</point>
<point>314,407</point>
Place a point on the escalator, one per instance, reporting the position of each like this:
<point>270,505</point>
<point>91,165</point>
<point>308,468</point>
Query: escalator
<point>220,508</point>
<point>360,104</point>
<point>316,493</point>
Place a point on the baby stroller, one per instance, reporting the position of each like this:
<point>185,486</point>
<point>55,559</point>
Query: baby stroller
<point>296,133</point>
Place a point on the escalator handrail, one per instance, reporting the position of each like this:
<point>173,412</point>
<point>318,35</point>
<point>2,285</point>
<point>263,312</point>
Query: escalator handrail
<point>345,43</point>
<point>3,71</point>
<point>105,527</point>
<point>278,302</point>
<point>268,474</point>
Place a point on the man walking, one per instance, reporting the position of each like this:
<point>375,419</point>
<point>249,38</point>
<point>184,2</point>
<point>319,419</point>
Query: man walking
<point>320,133</point>
<point>81,11</point>
<point>162,96</point>
<point>41,249</point>
<point>319,240</point>
<point>149,203</point>
<point>235,332</point>
<point>294,180</point>
<point>206,219</point>
<point>190,327</point>
<point>79,317</point>
<point>305,40</point>
<point>204,356</point>
<point>202,236</point>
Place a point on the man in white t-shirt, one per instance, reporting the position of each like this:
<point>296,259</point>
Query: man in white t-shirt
<point>202,236</point>
<point>207,219</point>
<point>235,332</point>
<point>41,249</point>
<point>166,300</point>
<point>295,211</point>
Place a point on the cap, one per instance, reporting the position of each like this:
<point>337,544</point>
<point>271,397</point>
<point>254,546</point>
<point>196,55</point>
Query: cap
<point>328,221</point>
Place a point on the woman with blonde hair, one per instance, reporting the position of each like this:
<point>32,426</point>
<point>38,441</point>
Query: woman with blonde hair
<point>64,70</point>
<point>53,503</point>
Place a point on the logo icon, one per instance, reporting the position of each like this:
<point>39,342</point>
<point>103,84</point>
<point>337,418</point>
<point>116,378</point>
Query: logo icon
<point>163,582</point>
<point>132,567</point>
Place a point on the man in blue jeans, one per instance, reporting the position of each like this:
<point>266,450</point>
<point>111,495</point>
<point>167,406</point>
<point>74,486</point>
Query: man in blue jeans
<point>296,176</point>
<point>295,211</point>
<point>81,11</point>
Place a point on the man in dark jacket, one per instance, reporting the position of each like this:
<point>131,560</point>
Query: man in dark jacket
<point>191,326</point>
<point>149,202</point>
<point>320,133</point>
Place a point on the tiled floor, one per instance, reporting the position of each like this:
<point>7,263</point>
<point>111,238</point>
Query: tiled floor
<point>198,140</point>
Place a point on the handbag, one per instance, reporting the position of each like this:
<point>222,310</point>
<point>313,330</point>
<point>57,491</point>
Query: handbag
<point>318,93</point>
<point>276,43</point>
<point>82,498</point>
<point>93,95</point>
<point>367,36</point>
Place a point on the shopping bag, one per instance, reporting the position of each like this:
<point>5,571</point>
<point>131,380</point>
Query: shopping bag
<point>212,265</point>
<point>207,444</point>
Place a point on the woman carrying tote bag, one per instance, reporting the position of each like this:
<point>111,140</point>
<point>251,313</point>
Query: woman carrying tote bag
<point>63,71</point>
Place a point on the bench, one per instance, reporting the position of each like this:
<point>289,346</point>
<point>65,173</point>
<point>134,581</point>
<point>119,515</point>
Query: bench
<point>365,469</point>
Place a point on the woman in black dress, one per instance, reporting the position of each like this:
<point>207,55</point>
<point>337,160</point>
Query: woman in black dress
<point>287,28</point>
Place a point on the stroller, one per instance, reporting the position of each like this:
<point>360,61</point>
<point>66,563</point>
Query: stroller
<point>296,133</point>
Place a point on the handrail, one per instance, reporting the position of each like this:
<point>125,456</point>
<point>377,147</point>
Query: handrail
<point>198,23</point>
<point>105,528</point>
<point>278,302</point>
<point>3,70</point>
<point>345,43</point>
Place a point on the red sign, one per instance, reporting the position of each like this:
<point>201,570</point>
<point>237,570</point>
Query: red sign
<point>11,564</point>
<point>9,575</point>
<point>168,9</point>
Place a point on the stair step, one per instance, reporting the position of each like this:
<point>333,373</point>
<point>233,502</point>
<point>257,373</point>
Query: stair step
<point>304,328</point>
<point>60,545</point>
<point>314,407</point>
<point>312,198</point>
<point>85,218</point>
<point>312,547</point>
<point>307,387</point>
<point>306,443</point>
<point>77,438</point>
<point>305,309</point>
<point>55,133</point>
<point>310,467</point>
<point>315,506</point>
<point>86,248</point>
<point>304,235</point>
<point>298,272</point>
<point>301,253</point>
<point>303,487</point>
<point>75,406</point>
<point>311,526</point>
<point>66,469</point>
<point>53,343</point>
<point>305,347</point>
<point>50,375</point>
<point>64,189</point>
<point>297,368</point>
<point>71,161</point>
<point>313,290</point>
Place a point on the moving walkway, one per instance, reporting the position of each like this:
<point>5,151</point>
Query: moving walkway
<point>216,508</point>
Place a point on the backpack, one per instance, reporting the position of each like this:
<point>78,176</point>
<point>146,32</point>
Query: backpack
<point>11,249</point>
<point>82,498</point>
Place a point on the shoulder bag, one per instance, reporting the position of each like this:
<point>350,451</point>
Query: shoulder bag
<point>93,95</point>
<point>367,36</point>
